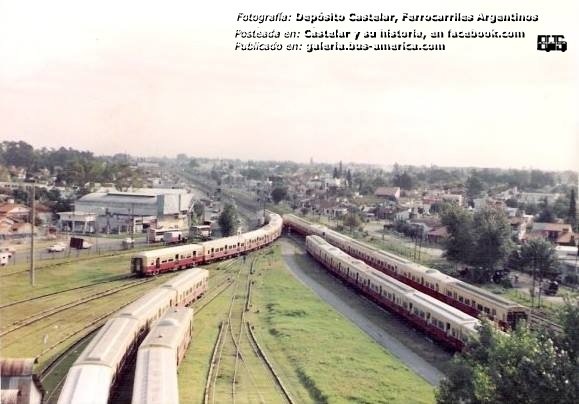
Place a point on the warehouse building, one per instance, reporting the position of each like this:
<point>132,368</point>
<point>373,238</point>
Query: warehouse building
<point>134,211</point>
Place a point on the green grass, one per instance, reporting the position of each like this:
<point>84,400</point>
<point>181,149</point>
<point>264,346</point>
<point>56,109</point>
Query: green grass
<point>321,355</point>
<point>195,365</point>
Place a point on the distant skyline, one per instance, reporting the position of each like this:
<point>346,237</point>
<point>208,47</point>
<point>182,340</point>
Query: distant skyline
<point>151,78</point>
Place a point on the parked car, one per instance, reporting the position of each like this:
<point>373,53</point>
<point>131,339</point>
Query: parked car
<point>8,251</point>
<point>58,247</point>
<point>4,258</point>
<point>128,243</point>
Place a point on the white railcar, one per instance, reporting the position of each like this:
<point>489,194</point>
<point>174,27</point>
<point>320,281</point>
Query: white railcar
<point>159,356</point>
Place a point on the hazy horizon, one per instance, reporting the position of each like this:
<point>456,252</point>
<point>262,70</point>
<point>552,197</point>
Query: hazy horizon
<point>150,78</point>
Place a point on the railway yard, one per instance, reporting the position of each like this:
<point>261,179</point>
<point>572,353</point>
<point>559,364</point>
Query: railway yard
<point>270,324</point>
<point>259,335</point>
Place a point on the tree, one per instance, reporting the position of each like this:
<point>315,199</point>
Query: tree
<point>522,367</point>
<point>228,220</point>
<point>403,181</point>
<point>279,194</point>
<point>547,215</point>
<point>538,257</point>
<point>460,243</point>
<point>352,220</point>
<point>572,214</point>
<point>569,319</point>
<point>492,234</point>
<point>349,178</point>
<point>474,186</point>
<point>199,210</point>
<point>19,154</point>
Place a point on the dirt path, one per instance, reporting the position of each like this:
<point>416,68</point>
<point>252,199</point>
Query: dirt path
<point>413,348</point>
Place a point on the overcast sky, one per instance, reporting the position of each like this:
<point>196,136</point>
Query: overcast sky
<point>162,77</point>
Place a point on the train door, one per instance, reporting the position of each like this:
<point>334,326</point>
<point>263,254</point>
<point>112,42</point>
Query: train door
<point>137,265</point>
<point>158,263</point>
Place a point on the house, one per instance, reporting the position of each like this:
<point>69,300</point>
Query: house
<point>437,235</point>
<point>425,224</point>
<point>518,227</point>
<point>19,382</point>
<point>14,210</point>
<point>457,199</point>
<point>391,193</point>
<point>558,233</point>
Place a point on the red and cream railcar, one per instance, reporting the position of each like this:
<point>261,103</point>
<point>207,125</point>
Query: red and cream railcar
<point>175,258</point>
<point>189,286</point>
<point>167,259</point>
<point>159,356</point>
<point>95,371</point>
<point>440,321</point>
<point>465,297</point>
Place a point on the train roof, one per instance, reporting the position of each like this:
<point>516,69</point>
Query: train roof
<point>485,294</point>
<point>110,343</point>
<point>142,307</point>
<point>155,377</point>
<point>168,332</point>
<point>186,277</point>
<point>295,217</point>
<point>396,284</point>
<point>443,309</point>
<point>169,250</point>
<point>88,384</point>
<point>223,240</point>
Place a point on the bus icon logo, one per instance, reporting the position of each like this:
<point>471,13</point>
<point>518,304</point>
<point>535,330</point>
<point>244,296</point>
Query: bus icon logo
<point>550,43</point>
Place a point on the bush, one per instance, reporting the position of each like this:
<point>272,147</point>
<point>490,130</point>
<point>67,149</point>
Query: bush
<point>571,279</point>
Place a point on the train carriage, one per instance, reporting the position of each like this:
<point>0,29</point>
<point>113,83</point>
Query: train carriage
<point>99,364</point>
<point>189,286</point>
<point>440,321</point>
<point>167,259</point>
<point>159,356</point>
<point>223,248</point>
<point>467,298</point>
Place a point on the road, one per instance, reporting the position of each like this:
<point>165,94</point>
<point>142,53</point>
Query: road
<point>415,350</point>
<point>99,245</point>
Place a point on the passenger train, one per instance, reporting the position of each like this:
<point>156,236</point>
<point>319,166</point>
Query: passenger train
<point>159,356</point>
<point>470,299</point>
<point>96,370</point>
<point>186,256</point>
<point>440,321</point>
<point>94,373</point>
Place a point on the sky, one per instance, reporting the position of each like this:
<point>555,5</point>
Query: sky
<point>154,78</point>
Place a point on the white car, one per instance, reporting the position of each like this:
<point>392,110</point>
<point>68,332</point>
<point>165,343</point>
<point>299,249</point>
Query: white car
<point>9,251</point>
<point>58,247</point>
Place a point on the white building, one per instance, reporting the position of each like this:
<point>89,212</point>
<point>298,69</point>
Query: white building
<point>119,212</point>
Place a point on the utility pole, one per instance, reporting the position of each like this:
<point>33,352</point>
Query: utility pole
<point>32,222</point>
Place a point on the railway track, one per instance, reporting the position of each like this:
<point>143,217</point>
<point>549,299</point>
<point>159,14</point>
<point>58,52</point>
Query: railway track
<point>67,260</point>
<point>69,305</point>
<point>539,321</point>
<point>120,278</point>
<point>237,356</point>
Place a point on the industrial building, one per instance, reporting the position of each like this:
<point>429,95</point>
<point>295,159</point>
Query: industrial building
<point>134,211</point>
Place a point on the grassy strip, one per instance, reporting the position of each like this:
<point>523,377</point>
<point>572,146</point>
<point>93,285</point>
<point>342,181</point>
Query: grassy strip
<point>320,355</point>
